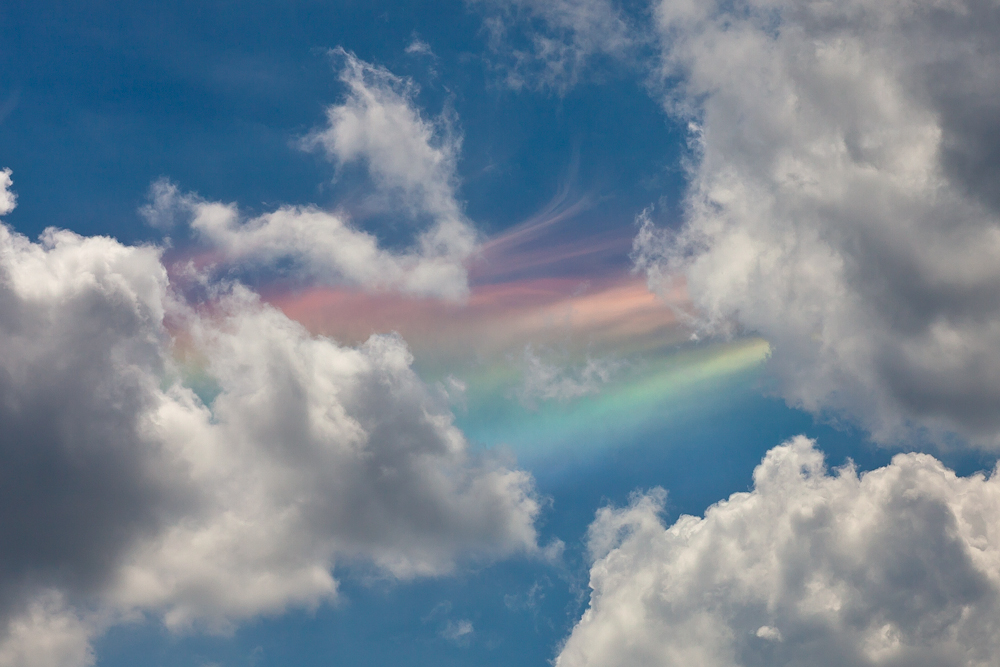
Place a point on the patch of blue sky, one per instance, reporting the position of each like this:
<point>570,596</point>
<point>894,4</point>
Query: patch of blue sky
<point>105,98</point>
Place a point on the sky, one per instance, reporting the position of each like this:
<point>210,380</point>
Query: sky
<point>500,332</point>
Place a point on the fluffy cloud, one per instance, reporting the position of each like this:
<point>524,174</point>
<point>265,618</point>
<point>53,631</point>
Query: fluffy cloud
<point>412,161</point>
<point>378,125</point>
<point>563,37</point>
<point>843,200</point>
<point>209,463</point>
<point>313,451</point>
<point>46,633</point>
<point>898,566</point>
<point>326,247</point>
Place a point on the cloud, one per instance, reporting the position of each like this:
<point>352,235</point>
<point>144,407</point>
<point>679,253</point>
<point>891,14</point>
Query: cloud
<point>545,381</point>
<point>419,47</point>
<point>315,451</point>
<point>81,350</point>
<point>563,38</point>
<point>412,161</point>
<point>897,566</point>
<point>8,200</point>
<point>458,632</point>
<point>843,201</point>
<point>167,205</point>
<point>207,463</point>
<point>405,154</point>
<point>47,634</point>
<point>325,246</point>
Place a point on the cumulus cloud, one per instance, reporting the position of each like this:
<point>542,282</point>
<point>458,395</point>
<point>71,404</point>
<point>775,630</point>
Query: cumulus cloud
<point>47,634</point>
<point>412,161</point>
<point>126,491</point>
<point>843,200</point>
<point>563,38</point>
<point>898,566</point>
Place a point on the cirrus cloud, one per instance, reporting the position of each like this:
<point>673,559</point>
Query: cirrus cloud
<point>564,37</point>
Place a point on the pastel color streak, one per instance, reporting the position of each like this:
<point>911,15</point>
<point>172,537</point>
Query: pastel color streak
<point>650,394</point>
<point>538,296</point>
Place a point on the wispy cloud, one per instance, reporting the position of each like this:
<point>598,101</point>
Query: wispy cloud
<point>379,125</point>
<point>420,48</point>
<point>544,245</point>
<point>551,43</point>
<point>458,632</point>
<point>545,381</point>
<point>409,158</point>
<point>619,314</point>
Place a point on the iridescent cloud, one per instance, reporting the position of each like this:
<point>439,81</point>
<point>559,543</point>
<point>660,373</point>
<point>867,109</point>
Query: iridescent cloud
<point>534,294</point>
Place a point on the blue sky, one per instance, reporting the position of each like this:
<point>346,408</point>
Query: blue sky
<point>107,98</point>
<point>409,333</point>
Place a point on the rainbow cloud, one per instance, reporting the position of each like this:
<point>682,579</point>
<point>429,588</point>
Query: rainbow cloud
<point>531,292</point>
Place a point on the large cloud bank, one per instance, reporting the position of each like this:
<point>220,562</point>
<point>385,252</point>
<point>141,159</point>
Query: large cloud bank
<point>844,199</point>
<point>207,463</point>
<point>899,566</point>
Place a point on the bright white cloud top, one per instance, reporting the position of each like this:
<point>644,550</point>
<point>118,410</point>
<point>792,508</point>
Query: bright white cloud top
<point>844,200</point>
<point>898,566</point>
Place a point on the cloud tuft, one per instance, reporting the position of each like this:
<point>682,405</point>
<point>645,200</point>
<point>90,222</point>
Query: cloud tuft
<point>8,200</point>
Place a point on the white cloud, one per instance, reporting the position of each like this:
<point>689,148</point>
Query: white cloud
<point>844,200</point>
<point>546,381</point>
<point>8,200</point>
<point>898,566</point>
<point>458,632</point>
<point>328,248</point>
<point>565,37</point>
<point>125,492</point>
<point>47,635</point>
<point>405,154</point>
<point>167,205</point>
<point>379,125</point>
<point>315,451</point>
<point>410,159</point>
<point>419,47</point>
